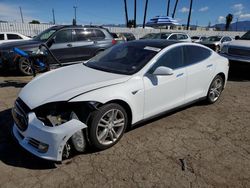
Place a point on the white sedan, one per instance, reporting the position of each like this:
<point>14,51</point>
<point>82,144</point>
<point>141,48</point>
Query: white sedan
<point>11,37</point>
<point>94,102</point>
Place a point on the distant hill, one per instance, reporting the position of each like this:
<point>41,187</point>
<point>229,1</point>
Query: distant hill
<point>241,26</point>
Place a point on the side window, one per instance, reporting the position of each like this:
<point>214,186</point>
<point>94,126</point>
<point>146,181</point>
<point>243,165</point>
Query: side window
<point>164,36</point>
<point>99,34</point>
<point>195,54</point>
<point>173,37</point>
<point>172,59</point>
<point>64,36</point>
<point>224,39</point>
<point>13,37</point>
<point>90,34</point>
<point>228,38</point>
<point>203,38</point>
<point>1,36</point>
<point>181,37</point>
<point>80,35</point>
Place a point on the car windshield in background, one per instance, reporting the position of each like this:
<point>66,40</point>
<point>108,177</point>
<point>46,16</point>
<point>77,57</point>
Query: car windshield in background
<point>246,36</point>
<point>213,39</point>
<point>45,35</point>
<point>123,59</point>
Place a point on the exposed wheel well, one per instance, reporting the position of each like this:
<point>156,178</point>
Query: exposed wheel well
<point>223,77</point>
<point>126,107</point>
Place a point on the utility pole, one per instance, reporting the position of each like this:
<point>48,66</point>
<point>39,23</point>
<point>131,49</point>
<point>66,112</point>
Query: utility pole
<point>21,14</point>
<point>75,7</point>
<point>175,6</point>
<point>126,12</point>
<point>168,8</point>
<point>145,13</point>
<point>134,13</point>
<point>53,13</point>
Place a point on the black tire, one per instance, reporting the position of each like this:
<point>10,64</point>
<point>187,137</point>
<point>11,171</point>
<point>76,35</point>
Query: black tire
<point>215,89</point>
<point>24,67</point>
<point>112,136</point>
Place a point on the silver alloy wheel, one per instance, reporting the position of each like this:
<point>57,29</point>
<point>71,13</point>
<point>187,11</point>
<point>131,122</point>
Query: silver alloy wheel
<point>25,66</point>
<point>110,126</point>
<point>215,89</point>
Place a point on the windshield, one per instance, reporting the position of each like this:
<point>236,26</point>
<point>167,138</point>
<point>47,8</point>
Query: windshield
<point>123,58</point>
<point>246,36</point>
<point>44,36</point>
<point>213,39</point>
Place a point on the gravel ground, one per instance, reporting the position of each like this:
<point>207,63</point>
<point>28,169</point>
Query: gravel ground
<point>212,141</point>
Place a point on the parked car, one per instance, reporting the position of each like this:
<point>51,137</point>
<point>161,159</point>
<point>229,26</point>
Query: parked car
<point>238,50</point>
<point>170,36</point>
<point>69,44</point>
<point>126,36</point>
<point>148,36</point>
<point>11,37</point>
<point>216,42</point>
<point>117,38</point>
<point>61,110</point>
<point>198,38</point>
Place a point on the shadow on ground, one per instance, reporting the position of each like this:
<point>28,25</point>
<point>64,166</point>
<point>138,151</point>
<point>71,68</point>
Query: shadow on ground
<point>11,153</point>
<point>12,83</point>
<point>239,72</point>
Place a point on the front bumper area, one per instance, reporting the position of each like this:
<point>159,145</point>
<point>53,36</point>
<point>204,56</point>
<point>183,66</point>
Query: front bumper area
<point>54,137</point>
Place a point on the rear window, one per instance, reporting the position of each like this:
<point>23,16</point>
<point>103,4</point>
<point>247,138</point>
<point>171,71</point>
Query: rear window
<point>1,36</point>
<point>13,37</point>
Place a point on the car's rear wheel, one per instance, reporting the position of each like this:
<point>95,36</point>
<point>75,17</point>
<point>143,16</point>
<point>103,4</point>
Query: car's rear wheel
<point>107,126</point>
<point>215,89</point>
<point>25,66</point>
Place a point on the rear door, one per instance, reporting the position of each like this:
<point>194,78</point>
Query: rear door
<point>199,70</point>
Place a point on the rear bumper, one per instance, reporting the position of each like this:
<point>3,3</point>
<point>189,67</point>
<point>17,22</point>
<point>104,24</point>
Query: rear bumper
<point>236,58</point>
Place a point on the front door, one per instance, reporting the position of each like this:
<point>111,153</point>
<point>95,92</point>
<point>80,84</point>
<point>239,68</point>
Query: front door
<point>164,92</point>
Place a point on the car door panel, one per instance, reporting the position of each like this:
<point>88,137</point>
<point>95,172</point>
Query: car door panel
<point>164,92</point>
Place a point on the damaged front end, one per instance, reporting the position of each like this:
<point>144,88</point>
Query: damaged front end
<point>52,129</point>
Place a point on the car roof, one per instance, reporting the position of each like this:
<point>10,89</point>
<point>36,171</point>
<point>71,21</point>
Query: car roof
<point>157,43</point>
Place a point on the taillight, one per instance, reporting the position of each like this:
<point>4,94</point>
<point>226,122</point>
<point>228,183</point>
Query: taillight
<point>114,41</point>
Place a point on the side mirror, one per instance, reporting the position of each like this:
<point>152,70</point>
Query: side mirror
<point>163,71</point>
<point>50,42</point>
<point>237,37</point>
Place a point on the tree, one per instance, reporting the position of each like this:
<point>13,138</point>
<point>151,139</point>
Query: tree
<point>145,13</point>
<point>229,19</point>
<point>189,15</point>
<point>126,12</point>
<point>34,22</point>
<point>176,2</point>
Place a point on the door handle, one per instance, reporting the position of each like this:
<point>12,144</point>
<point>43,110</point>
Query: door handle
<point>69,45</point>
<point>210,65</point>
<point>181,74</point>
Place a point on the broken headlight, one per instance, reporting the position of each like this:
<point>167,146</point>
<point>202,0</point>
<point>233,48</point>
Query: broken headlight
<point>54,114</point>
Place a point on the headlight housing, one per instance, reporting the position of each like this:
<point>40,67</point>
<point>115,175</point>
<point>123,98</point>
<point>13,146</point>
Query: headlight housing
<point>54,114</point>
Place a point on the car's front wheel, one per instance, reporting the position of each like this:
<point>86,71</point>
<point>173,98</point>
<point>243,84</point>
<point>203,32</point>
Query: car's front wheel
<point>215,89</point>
<point>25,66</point>
<point>107,125</point>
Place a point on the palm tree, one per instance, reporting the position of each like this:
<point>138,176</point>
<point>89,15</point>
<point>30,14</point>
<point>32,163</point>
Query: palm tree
<point>229,19</point>
<point>145,13</point>
<point>189,15</point>
<point>176,2</point>
<point>168,8</point>
<point>134,13</point>
<point>126,12</point>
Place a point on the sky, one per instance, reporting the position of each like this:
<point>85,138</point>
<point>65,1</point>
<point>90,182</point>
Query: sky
<point>112,11</point>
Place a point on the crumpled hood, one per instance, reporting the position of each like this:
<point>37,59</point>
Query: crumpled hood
<point>65,83</point>
<point>240,43</point>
